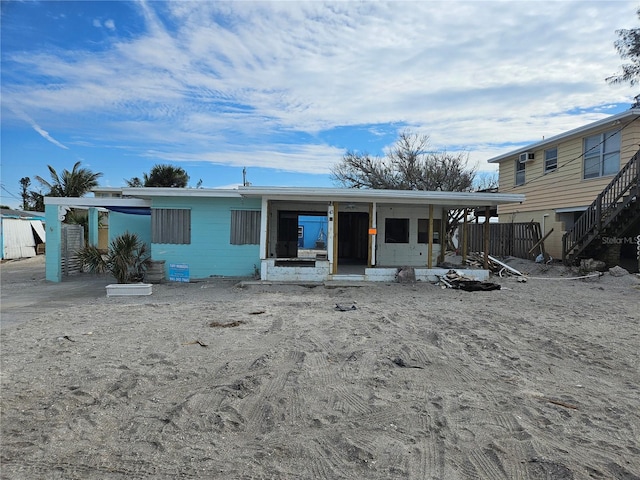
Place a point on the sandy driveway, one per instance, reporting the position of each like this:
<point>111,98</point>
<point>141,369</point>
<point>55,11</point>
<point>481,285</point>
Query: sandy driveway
<point>210,380</point>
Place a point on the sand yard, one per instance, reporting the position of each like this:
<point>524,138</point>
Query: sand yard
<point>538,380</point>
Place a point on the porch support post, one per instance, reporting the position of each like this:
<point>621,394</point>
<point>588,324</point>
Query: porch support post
<point>53,216</point>
<point>444,217</point>
<point>93,226</point>
<point>465,236</point>
<point>264,237</point>
<point>487,213</point>
<point>332,237</point>
<point>430,249</point>
<point>373,224</point>
<point>264,229</point>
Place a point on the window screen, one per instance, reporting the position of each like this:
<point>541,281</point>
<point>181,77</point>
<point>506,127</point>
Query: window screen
<point>245,227</point>
<point>171,225</point>
<point>602,154</point>
<point>550,159</point>
<point>520,172</point>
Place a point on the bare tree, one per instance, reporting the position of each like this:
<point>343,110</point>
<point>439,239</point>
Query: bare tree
<point>628,47</point>
<point>409,165</point>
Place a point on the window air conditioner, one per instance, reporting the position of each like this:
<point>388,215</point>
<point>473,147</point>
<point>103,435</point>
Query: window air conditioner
<point>526,157</point>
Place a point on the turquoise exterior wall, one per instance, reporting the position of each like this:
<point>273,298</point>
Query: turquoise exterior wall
<point>210,252</point>
<point>120,223</point>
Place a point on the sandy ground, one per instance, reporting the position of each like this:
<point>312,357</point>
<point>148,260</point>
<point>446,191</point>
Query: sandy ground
<point>538,380</point>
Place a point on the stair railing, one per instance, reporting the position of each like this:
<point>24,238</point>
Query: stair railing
<point>604,208</point>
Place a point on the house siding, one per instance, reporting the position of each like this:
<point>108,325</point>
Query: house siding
<point>564,187</point>
<point>120,223</point>
<point>210,252</point>
<point>412,254</point>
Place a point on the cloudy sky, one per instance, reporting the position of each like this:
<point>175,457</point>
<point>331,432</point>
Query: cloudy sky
<point>285,89</point>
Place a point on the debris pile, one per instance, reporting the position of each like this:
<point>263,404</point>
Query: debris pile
<point>495,266</point>
<point>453,279</point>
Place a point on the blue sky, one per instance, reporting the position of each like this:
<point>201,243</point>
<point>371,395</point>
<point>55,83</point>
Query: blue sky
<point>285,89</point>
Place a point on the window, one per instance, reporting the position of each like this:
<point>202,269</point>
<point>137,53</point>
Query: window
<point>245,227</point>
<point>519,173</point>
<point>550,159</point>
<point>602,154</point>
<point>423,230</point>
<point>171,225</point>
<point>396,230</point>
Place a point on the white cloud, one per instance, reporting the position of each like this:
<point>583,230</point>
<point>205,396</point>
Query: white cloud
<point>108,24</point>
<point>313,159</point>
<point>41,131</point>
<point>473,75</point>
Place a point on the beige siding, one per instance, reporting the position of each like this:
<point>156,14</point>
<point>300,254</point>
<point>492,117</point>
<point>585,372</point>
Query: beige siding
<point>565,186</point>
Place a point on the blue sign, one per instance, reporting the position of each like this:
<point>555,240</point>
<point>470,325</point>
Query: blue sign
<point>179,272</point>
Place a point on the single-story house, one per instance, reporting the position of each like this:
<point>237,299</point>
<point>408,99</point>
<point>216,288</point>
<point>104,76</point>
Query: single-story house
<point>583,184</point>
<point>22,234</point>
<point>255,230</point>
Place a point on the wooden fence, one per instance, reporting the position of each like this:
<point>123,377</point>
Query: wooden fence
<point>506,239</point>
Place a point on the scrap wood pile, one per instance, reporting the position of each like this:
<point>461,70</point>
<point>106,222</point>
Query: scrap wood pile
<point>495,266</point>
<point>453,279</point>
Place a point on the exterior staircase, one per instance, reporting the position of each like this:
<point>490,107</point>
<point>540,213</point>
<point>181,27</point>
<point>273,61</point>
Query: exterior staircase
<point>615,210</point>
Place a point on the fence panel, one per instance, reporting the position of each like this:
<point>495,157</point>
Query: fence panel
<point>72,241</point>
<point>506,239</point>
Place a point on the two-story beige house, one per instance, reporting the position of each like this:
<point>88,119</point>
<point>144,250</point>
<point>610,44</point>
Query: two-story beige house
<point>584,185</point>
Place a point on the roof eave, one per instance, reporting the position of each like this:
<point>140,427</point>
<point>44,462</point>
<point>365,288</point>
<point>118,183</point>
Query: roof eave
<point>634,112</point>
<point>150,192</point>
<point>96,202</point>
<point>416,197</point>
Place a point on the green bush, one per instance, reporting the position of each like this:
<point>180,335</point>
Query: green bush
<point>127,258</point>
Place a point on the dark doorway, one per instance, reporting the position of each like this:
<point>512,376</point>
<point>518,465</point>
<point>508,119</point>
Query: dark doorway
<point>353,238</point>
<point>287,243</point>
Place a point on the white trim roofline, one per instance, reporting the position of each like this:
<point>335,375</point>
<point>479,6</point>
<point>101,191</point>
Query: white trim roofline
<point>627,114</point>
<point>141,197</point>
<point>456,199</point>
<point>97,202</point>
<point>149,192</point>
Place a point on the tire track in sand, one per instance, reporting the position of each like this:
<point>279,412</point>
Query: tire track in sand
<point>428,458</point>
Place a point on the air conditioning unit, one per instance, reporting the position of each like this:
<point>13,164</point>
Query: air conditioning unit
<point>527,157</point>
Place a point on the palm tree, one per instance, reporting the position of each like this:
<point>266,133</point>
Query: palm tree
<point>162,176</point>
<point>74,183</point>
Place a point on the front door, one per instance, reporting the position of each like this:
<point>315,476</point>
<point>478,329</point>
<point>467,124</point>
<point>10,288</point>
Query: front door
<point>287,243</point>
<point>353,238</point>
